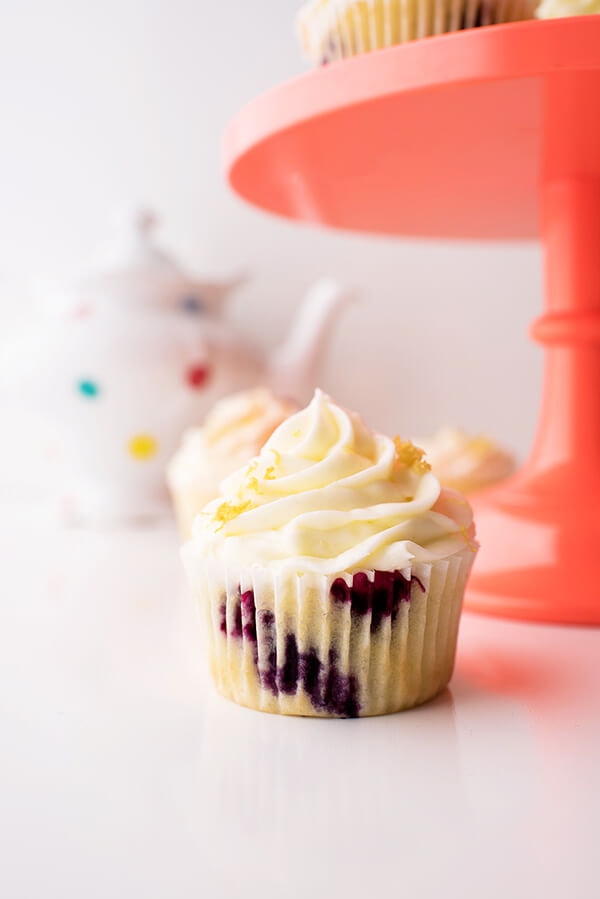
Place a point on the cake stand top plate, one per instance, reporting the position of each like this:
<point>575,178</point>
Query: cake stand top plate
<point>441,137</point>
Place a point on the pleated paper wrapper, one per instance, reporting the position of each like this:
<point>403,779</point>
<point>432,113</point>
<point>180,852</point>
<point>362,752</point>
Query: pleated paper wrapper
<point>296,645</point>
<point>337,29</point>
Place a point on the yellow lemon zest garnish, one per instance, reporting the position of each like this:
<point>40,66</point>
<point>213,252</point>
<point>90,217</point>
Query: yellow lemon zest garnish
<point>270,473</point>
<point>297,433</point>
<point>251,482</point>
<point>480,447</point>
<point>468,540</point>
<point>252,485</point>
<point>411,456</point>
<point>228,511</point>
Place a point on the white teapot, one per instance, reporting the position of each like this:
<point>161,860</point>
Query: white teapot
<point>135,353</point>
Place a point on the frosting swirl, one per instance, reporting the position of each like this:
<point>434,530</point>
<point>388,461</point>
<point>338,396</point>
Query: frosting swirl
<point>328,495</point>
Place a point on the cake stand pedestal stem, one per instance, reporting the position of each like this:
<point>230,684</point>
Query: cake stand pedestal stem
<point>569,429</point>
<point>540,531</point>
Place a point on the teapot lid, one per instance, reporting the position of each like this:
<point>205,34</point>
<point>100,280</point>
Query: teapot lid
<point>133,247</point>
<point>131,268</point>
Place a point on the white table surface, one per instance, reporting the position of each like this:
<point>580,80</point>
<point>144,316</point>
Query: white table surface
<point>123,775</point>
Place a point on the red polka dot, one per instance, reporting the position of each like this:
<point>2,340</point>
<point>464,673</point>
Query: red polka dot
<point>52,450</point>
<point>68,507</point>
<point>197,375</point>
<point>56,584</point>
<point>84,310</point>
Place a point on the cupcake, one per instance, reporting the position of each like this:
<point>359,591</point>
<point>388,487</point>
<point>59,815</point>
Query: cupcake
<point>233,432</point>
<point>334,29</point>
<point>331,572</point>
<point>465,462</point>
<point>558,9</point>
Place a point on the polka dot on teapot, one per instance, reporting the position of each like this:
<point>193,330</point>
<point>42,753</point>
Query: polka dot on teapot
<point>83,310</point>
<point>143,447</point>
<point>193,305</point>
<point>88,388</point>
<point>197,376</point>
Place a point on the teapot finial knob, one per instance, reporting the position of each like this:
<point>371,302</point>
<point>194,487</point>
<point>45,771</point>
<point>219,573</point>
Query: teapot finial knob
<point>133,245</point>
<point>144,222</point>
<point>138,222</point>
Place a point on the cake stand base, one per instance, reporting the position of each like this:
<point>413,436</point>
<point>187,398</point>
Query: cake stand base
<point>538,559</point>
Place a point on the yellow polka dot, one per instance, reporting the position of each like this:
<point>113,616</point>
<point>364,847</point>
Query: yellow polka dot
<point>143,447</point>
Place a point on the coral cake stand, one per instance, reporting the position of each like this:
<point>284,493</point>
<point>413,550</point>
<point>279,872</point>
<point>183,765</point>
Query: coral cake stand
<point>489,133</point>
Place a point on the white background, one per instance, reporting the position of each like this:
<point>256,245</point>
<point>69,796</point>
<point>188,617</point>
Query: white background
<point>121,774</point>
<point>106,105</point>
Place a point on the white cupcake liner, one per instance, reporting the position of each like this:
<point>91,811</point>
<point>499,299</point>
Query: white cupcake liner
<point>284,644</point>
<point>342,28</point>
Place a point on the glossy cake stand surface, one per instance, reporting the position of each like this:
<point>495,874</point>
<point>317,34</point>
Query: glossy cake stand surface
<point>488,133</point>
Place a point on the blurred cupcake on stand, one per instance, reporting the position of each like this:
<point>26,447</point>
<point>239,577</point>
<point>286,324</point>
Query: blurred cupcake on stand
<point>330,30</point>
<point>466,462</point>
<point>233,433</point>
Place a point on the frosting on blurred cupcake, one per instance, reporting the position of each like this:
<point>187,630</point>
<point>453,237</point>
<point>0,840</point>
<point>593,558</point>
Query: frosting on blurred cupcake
<point>557,9</point>
<point>466,462</point>
<point>233,432</point>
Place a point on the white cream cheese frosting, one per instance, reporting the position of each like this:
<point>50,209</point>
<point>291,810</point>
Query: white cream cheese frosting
<point>466,462</point>
<point>327,495</point>
<point>557,9</point>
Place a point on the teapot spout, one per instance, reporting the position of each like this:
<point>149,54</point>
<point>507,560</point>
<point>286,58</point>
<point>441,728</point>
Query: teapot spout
<point>293,369</point>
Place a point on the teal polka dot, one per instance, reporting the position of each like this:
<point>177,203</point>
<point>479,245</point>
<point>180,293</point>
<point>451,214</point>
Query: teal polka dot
<point>88,389</point>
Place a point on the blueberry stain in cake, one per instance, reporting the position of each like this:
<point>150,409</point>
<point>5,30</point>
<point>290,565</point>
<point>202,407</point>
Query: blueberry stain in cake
<point>331,52</point>
<point>328,687</point>
<point>223,617</point>
<point>382,596</point>
<point>360,594</point>
<point>334,50</point>
<point>288,674</point>
<point>340,692</point>
<point>233,627</point>
<point>248,611</point>
<point>310,668</point>
<point>477,22</point>
<point>267,671</point>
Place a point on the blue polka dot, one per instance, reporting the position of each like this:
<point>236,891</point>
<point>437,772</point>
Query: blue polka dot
<point>88,389</point>
<point>193,305</point>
